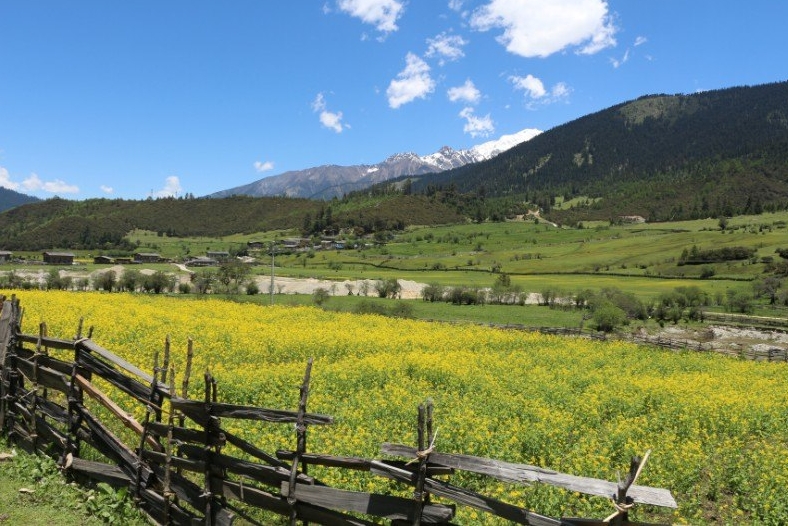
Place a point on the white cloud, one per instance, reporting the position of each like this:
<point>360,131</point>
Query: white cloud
<point>640,41</point>
<point>447,47</point>
<point>35,184</point>
<point>455,5</point>
<point>266,166</point>
<point>172,187</point>
<point>539,28</point>
<point>5,180</point>
<point>382,14</point>
<point>466,93</point>
<point>107,189</point>
<point>331,120</point>
<point>413,82</point>
<point>535,90</point>
<point>476,126</point>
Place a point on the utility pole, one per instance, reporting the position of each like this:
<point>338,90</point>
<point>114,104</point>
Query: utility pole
<point>273,246</point>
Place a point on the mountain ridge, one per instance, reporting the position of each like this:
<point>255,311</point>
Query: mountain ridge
<point>327,181</point>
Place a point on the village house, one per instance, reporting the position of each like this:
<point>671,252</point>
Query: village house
<point>202,261</point>
<point>58,258</point>
<point>218,255</point>
<point>103,260</point>
<point>149,257</point>
<point>5,256</point>
<point>295,243</point>
<point>632,219</point>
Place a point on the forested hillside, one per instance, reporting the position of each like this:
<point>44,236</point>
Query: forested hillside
<point>9,199</point>
<point>663,157</point>
<point>103,223</point>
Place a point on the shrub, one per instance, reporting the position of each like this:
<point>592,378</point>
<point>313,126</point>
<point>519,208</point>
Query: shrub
<point>320,296</point>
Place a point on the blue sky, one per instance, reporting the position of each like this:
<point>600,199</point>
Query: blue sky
<point>155,98</point>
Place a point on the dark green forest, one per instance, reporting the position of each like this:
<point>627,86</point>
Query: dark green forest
<point>103,223</point>
<point>665,157</point>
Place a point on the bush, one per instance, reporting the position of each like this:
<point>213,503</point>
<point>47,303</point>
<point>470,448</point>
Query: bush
<point>370,307</point>
<point>401,309</point>
<point>320,296</point>
<point>252,288</point>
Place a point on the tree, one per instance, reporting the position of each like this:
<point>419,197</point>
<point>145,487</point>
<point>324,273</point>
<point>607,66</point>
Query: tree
<point>158,282</point>
<point>432,292</point>
<point>769,287</point>
<point>130,280</point>
<point>607,316</point>
<point>105,281</point>
<point>389,288</point>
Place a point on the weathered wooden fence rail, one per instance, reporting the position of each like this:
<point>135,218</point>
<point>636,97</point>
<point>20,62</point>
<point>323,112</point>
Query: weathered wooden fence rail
<point>177,461</point>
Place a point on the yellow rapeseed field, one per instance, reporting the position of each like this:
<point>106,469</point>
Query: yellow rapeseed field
<point>717,427</point>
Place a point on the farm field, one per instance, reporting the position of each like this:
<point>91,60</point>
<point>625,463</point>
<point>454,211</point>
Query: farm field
<point>716,427</point>
<point>642,259</point>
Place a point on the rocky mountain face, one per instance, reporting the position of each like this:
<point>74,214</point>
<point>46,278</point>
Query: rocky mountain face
<point>325,182</point>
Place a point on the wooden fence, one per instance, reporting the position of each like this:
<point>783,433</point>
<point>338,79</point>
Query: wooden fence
<point>183,466</point>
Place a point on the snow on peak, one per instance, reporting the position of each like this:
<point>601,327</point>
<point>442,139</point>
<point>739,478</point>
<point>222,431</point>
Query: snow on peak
<point>490,149</point>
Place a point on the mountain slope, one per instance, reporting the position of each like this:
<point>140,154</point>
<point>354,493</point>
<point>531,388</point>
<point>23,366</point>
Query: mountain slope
<point>11,199</point>
<point>664,157</point>
<point>325,182</point>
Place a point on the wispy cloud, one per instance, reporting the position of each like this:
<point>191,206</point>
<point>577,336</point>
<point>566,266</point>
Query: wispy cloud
<point>330,120</point>
<point>172,187</point>
<point>535,90</point>
<point>446,47</point>
<point>382,14</point>
<point>467,93</point>
<point>266,166</point>
<point>106,189</point>
<point>617,63</point>
<point>413,82</point>
<point>539,28</point>
<point>640,41</point>
<point>476,126</point>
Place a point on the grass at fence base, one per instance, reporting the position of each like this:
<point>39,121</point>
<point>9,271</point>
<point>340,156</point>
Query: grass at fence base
<point>33,492</point>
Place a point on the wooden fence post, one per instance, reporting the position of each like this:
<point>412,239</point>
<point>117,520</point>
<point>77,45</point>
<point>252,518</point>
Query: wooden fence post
<point>300,444</point>
<point>623,503</point>
<point>209,425</point>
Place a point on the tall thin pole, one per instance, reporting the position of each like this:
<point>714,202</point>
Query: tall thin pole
<point>272,273</point>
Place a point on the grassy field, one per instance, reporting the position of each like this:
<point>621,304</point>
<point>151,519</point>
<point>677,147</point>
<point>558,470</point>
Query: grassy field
<point>638,258</point>
<point>642,259</point>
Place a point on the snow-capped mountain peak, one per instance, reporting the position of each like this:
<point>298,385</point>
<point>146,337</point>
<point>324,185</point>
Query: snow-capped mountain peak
<point>329,181</point>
